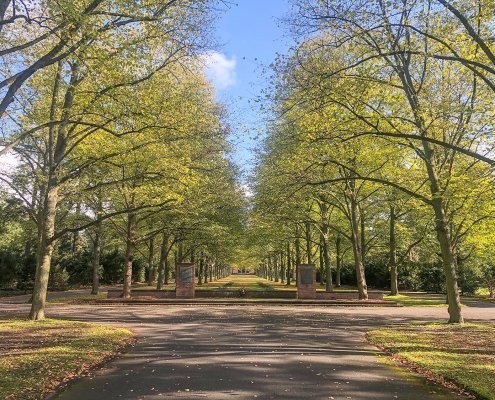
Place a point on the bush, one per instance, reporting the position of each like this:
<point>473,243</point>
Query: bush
<point>113,267</point>
<point>348,275</point>
<point>431,277</point>
<point>10,267</point>
<point>489,278</point>
<point>59,278</point>
<point>378,273</point>
<point>469,279</point>
<point>408,276</point>
<point>78,267</point>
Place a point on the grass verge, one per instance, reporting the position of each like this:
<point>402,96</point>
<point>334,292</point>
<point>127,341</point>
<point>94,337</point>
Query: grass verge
<point>404,300</point>
<point>83,298</point>
<point>10,293</point>
<point>37,357</point>
<point>459,354</point>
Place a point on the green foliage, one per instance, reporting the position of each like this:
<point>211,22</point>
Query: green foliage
<point>59,279</point>
<point>113,266</point>
<point>470,279</point>
<point>10,269</point>
<point>431,278</point>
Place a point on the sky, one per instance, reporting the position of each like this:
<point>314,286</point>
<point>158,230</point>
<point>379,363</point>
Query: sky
<point>250,35</point>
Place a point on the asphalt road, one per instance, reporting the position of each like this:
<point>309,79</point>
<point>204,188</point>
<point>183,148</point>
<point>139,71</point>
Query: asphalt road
<point>246,352</point>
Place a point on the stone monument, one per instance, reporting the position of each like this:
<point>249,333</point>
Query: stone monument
<point>185,282</point>
<point>306,282</point>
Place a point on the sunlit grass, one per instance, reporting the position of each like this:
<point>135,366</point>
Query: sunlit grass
<point>37,356</point>
<point>416,301</point>
<point>463,354</point>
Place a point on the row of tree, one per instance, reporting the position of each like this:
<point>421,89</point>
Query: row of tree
<point>120,144</point>
<point>381,141</point>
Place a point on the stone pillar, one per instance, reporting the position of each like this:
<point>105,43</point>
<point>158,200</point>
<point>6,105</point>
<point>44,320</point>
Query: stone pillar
<point>185,282</point>
<point>306,281</point>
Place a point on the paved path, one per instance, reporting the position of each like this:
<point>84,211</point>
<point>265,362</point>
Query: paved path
<point>262,352</point>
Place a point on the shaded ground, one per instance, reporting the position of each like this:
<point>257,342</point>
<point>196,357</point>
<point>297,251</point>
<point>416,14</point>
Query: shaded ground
<point>264,352</point>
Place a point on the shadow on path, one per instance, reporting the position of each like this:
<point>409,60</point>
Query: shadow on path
<point>250,352</point>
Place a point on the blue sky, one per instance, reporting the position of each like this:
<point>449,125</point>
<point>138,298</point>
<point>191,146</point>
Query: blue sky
<point>250,36</point>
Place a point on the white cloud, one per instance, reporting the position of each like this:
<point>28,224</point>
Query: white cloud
<point>8,163</point>
<point>247,191</point>
<point>220,69</point>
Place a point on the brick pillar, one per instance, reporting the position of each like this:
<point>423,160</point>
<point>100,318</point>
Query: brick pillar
<point>185,282</point>
<point>306,281</point>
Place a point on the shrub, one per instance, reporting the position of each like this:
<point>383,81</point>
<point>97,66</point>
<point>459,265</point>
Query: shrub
<point>431,277</point>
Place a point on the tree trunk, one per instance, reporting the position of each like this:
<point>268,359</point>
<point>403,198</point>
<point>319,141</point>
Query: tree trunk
<point>289,270</point>
<point>129,254</point>
<point>180,251</point>
<point>356,247</point>
<point>205,268</point>
<point>392,261</point>
<point>449,263</point>
<point>309,256</point>
<point>46,225</point>
<point>44,253</point>
<point>163,264</point>
<point>200,271</point>
<point>338,264</point>
<point>151,265</point>
<point>362,231</point>
<point>322,262</point>
<point>297,246</point>
<point>326,247</point>
<point>276,267</point>
<point>443,235</point>
<point>282,267</point>
<point>96,257</point>
<point>76,238</point>
<point>326,259</point>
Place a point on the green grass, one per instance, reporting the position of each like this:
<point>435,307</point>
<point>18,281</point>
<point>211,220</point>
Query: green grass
<point>404,300</point>
<point>78,299</point>
<point>36,357</point>
<point>248,282</point>
<point>462,354</point>
<point>10,293</point>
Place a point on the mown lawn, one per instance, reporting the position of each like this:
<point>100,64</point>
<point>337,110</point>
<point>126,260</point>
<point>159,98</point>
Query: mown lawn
<point>37,357</point>
<point>78,299</point>
<point>462,354</point>
<point>10,293</point>
<point>248,282</point>
<point>416,301</point>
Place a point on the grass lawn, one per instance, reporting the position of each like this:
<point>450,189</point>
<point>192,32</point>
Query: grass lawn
<point>36,357</point>
<point>404,300</point>
<point>462,354</point>
<point>10,293</point>
<point>78,299</point>
<point>248,282</point>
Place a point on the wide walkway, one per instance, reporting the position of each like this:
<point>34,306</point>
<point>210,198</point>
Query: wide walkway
<point>247,352</point>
